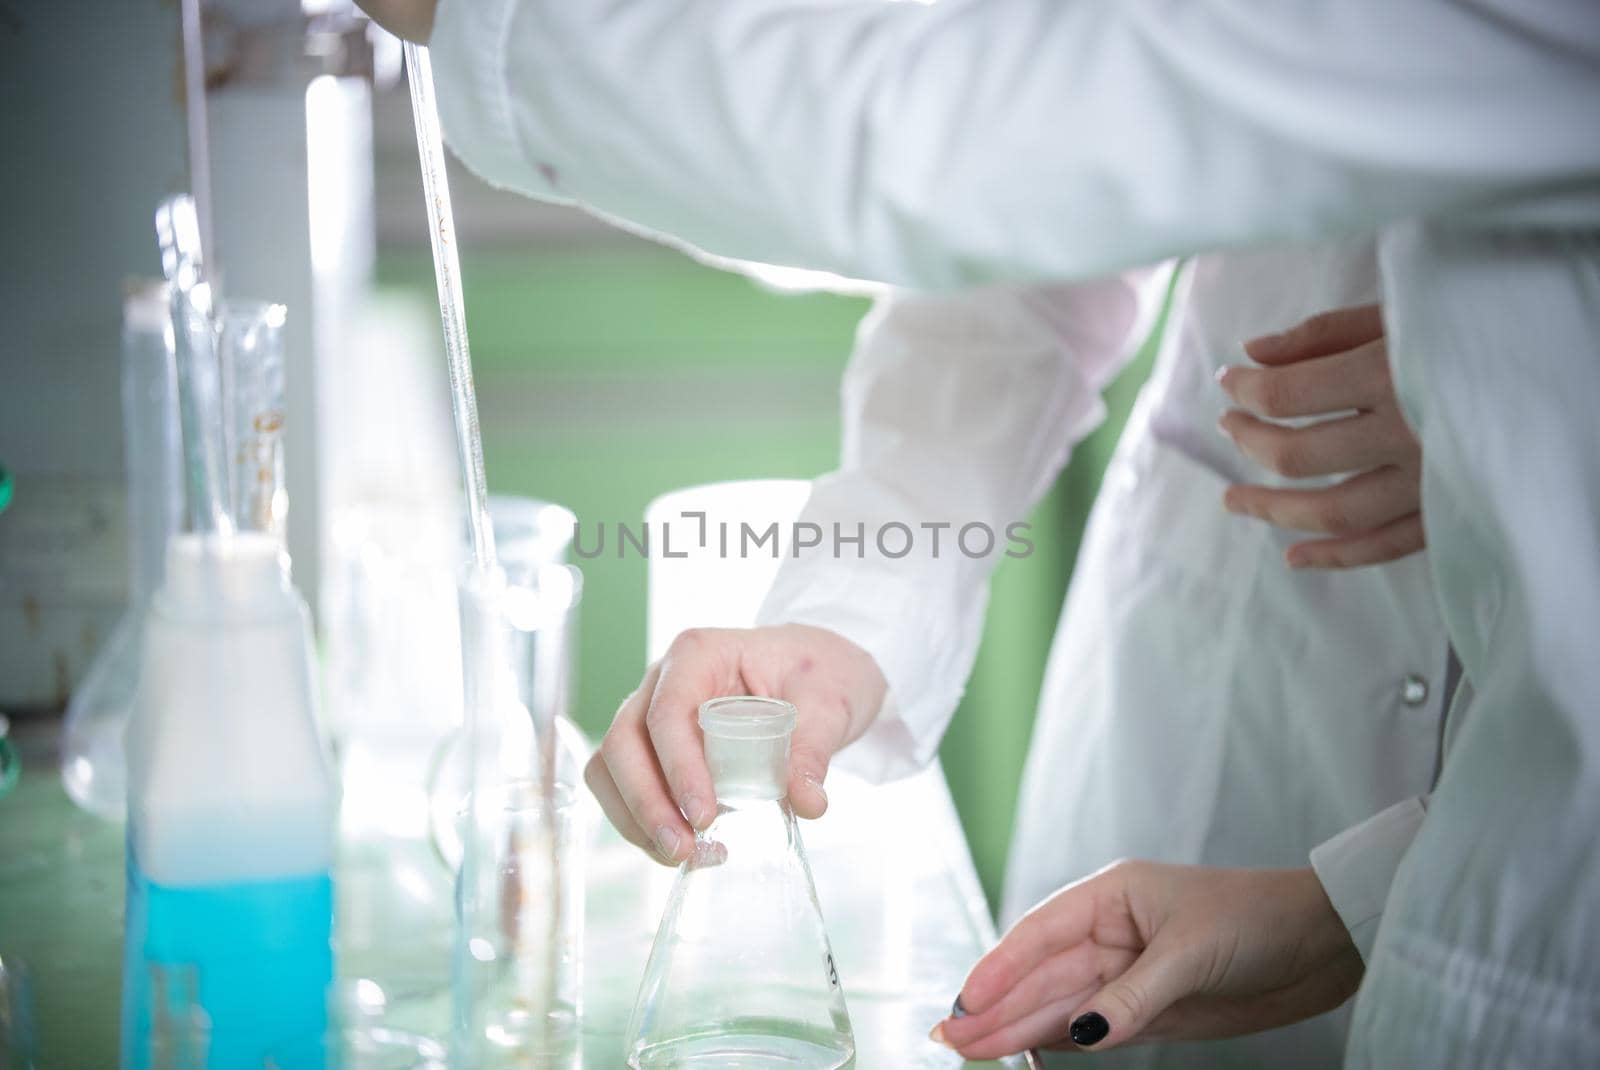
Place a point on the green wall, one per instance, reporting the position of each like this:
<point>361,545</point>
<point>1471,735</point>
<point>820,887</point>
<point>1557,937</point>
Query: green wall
<point>609,374</point>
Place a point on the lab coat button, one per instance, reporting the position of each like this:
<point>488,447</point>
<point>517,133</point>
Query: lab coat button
<point>1414,690</point>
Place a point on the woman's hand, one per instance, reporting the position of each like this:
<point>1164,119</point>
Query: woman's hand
<point>1334,362</point>
<point>650,772</point>
<point>1143,951</point>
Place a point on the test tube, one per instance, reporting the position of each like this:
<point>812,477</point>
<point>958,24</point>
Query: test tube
<point>518,959</point>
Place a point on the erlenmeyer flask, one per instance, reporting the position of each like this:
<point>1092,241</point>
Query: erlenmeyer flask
<point>741,975</point>
<point>92,765</point>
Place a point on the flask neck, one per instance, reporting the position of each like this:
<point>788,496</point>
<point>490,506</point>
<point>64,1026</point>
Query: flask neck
<point>748,770</point>
<point>747,746</point>
<point>244,575</point>
<point>749,834</point>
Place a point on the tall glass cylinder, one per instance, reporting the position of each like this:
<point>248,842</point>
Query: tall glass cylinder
<point>518,979</point>
<point>92,764</point>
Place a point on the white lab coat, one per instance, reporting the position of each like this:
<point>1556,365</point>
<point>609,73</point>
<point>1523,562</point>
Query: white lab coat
<point>975,141</point>
<point>1489,950</point>
<point>1203,704</point>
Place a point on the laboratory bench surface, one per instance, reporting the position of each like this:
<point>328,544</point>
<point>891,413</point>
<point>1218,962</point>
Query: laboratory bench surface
<point>904,910</point>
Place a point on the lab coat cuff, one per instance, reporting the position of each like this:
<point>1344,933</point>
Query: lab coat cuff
<point>886,618</point>
<point>1357,866</point>
<point>470,53</point>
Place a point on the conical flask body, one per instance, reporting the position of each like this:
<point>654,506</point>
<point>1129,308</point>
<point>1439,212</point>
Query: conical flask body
<point>741,976</point>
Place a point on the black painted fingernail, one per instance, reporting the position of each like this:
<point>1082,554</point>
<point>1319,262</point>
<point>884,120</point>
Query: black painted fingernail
<point>1089,1029</point>
<point>957,1010</point>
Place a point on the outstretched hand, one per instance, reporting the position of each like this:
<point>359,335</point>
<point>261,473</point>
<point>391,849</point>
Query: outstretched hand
<point>1332,363</point>
<point>1144,951</point>
<point>650,772</point>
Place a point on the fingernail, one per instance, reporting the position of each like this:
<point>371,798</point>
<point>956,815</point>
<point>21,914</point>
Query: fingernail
<point>957,1010</point>
<point>1264,341</point>
<point>667,843</point>
<point>695,810</point>
<point>815,784</point>
<point>936,1034</point>
<point>1222,426</point>
<point>1089,1029</point>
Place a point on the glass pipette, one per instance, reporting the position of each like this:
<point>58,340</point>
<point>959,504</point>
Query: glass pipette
<point>194,116</point>
<point>464,405</point>
<point>447,273</point>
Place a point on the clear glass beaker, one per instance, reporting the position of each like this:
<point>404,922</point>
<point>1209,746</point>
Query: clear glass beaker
<point>741,973</point>
<point>518,983</point>
<point>93,767</point>
<point>250,358</point>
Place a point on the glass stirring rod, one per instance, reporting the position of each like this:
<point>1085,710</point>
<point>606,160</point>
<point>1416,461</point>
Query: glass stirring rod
<point>447,273</point>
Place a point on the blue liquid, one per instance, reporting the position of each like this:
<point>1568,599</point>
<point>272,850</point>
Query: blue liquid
<point>263,956</point>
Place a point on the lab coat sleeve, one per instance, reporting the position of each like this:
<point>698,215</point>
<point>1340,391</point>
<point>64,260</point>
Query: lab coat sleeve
<point>958,412</point>
<point>980,141</point>
<point>1357,866</point>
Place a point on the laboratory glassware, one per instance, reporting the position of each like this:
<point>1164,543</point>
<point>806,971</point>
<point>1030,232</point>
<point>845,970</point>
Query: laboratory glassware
<point>392,653</point>
<point>393,650</point>
<point>93,769</point>
<point>482,966</point>
<point>231,809</point>
<point>250,359</point>
<point>540,618</point>
<point>530,536</point>
<point>741,973</point>
<point>200,402</point>
<point>452,307</point>
<point>519,954</point>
